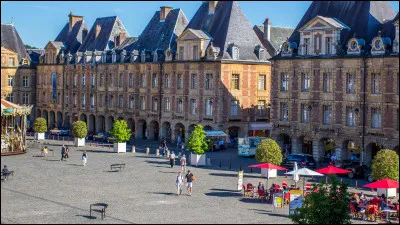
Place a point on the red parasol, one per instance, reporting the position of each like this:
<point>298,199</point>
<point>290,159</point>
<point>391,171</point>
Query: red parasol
<point>268,166</point>
<point>385,183</point>
<point>332,170</point>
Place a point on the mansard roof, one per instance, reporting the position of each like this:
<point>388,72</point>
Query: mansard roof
<point>277,37</point>
<point>161,35</point>
<point>74,38</point>
<point>11,40</point>
<point>227,26</point>
<point>110,27</point>
<point>363,17</point>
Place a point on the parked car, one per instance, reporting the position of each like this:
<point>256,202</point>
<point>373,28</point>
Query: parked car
<point>101,136</point>
<point>303,160</point>
<point>110,139</point>
<point>59,131</point>
<point>90,136</point>
<point>357,170</point>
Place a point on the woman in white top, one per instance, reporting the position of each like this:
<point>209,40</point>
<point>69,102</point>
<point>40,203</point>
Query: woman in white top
<point>183,163</point>
<point>179,183</point>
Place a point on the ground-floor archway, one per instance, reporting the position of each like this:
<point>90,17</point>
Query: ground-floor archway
<point>154,130</point>
<point>110,123</point>
<point>45,115</point>
<point>92,123</point>
<point>305,145</point>
<point>191,128</point>
<point>326,148</point>
<point>166,131</point>
<point>142,128</point>
<point>52,120</point>
<point>83,118</point>
<point>350,151</point>
<point>285,142</point>
<point>67,121</point>
<point>207,127</point>
<point>101,124</point>
<point>371,151</point>
<point>179,131</point>
<point>233,132</point>
<point>59,119</point>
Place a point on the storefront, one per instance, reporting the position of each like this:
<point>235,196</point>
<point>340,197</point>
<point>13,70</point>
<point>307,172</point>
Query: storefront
<point>13,127</point>
<point>260,129</point>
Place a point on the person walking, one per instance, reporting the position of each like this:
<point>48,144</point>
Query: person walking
<point>66,152</point>
<point>183,163</point>
<point>179,183</point>
<point>172,159</point>
<point>333,159</point>
<point>5,172</point>
<point>84,158</point>
<point>62,152</point>
<point>189,182</point>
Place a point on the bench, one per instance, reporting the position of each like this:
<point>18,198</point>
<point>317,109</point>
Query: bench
<point>99,207</point>
<point>115,166</point>
<point>7,174</point>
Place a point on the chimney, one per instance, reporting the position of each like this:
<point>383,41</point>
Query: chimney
<point>267,29</point>
<point>73,19</point>
<point>164,12</point>
<point>98,29</point>
<point>211,7</point>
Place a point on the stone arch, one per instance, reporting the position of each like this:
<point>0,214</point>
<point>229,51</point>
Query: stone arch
<point>52,120</point>
<point>120,118</point>
<point>110,122</point>
<point>326,148</point>
<point>92,123</point>
<point>191,128</point>
<point>207,127</point>
<point>67,121</point>
<point>154,130</point>
<point>166,131</point>
<point>372,149</point>
<point>83,118</point>
<point>59,119</point>
<point>179,130</point>
<point>38,113</point>
<point>305,145</point>
<point>141,129</point>
<point>101,124</point>
<point>350,151</point>
<point>45,115</point>
<point>285,142</point>
<point>233,132</point>
<point>131,125</point>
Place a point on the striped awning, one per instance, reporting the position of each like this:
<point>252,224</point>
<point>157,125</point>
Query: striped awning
<point>9,108</point>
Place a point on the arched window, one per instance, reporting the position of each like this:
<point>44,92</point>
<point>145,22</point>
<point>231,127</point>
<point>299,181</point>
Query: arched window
<point>209,104</point>
<point>180,106</point>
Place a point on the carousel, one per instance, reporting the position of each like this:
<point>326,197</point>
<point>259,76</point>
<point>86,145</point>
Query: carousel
<point>13,128</point>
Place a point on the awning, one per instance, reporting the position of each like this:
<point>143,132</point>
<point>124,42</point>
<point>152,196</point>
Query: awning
<point>9,108</point>
<point>260,126</point>
<point>215,133</point>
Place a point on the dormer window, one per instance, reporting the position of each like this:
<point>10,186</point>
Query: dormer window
<point>195,52</point>
<point>155,56</point>
<point>262,54</point>
<point>354,45</point>
<point>114,57</point>
<point>286,48</point>
<point>143,57</point>
<point>103,57</point>
<point>181,53</point>
<point>306,46</point>
<point>328,45</point>
<point>235,52</point>
<point>378,44</point>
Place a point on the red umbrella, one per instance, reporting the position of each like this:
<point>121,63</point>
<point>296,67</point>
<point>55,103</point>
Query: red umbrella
<point>268,166</point>
<point>385,183</point>
<point>332,170</point>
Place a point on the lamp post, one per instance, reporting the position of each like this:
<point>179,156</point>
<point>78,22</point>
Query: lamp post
<point>161,68</point>
<point>364,108</point>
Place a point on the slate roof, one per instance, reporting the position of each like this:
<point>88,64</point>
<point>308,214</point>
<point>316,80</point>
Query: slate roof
<point>277,37</point>
<point>11,40</point>
<point>363,17</point>
<point>200,34</point>
<point>58,44</point>
<point>160,35</point>
<point>34,54</point>
<point>110,27</point>
<point>127,43</point>
<point>228,25</point>
<point>74,38</point>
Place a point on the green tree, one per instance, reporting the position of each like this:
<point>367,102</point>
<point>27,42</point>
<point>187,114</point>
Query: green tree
<point>325,206</point>
<point>40,125</point>
<point>30,47</point>
<point>197,142</point>
<point>79,129</point>
<point>385,165</point>
<point>120,131</point>
<point>268,151</point>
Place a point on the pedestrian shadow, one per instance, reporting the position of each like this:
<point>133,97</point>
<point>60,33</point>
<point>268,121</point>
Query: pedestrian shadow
<point>95,151</point>
<point>148,156</point>
<point>165,172</point>
<point>224,194</point>
<point>157,162</point>
<point>52,160</point>
<point>112,171</point>
<point>217,189</point>
<point>253,200</point>
<point>87,217</point>
<point>161,193</point>
<point>232,175</point>
<point>75,164</point>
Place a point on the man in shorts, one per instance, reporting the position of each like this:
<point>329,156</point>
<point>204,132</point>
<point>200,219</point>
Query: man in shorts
<point>189,182</point>
<point>183,163</point>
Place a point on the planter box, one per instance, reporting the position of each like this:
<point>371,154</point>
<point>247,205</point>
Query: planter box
<point>79,142</point>
<point>391,192</point>
<point>197,160</point>
<point>39,136</point>
<point>120,147</point>
<point>270,173</point>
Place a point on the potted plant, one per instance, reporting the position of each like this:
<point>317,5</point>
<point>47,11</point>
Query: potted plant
<point>79,131</point>
<point>39,127</point>
<point>268,151</point>
<point>198,146</point>
<point>121,133</point>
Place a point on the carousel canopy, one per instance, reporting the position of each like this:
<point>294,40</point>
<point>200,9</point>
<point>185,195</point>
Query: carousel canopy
<point>11,109</point>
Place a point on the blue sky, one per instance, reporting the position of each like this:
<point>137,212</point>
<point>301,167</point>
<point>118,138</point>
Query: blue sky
<point>38,22</point>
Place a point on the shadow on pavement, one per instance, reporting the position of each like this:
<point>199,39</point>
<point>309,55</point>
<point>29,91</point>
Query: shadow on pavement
<point>233,175</point>
<point>253,200</point>
<point>224,194</point>
<point>74,164</point>
<point>166,172</point>
<point>162,193</point>
<point>52,160</point>
<point>87,217</point>
<point>94,151</point>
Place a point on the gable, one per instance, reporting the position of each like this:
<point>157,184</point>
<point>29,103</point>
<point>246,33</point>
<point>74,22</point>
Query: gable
<point>190,34</point>
<point>5,50</point>
<point>317,24</point>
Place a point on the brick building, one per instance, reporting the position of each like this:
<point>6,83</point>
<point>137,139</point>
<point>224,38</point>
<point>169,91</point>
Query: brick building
<point>335,83</point>
<point>18,73</point>
<point>212,71</point>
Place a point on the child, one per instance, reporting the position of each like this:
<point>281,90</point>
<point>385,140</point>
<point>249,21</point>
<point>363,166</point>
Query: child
<point>84,158</point>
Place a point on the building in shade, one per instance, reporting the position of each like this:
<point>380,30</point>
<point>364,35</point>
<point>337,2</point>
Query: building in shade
<point>13,127</point>
<point>335,82</point>
<point>212,71</point>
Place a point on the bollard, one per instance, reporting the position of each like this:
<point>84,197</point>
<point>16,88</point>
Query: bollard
<point>356,184</point>
<point>230,164</point>
<point>220,164</point>
<point>157,152</point>
<point>286,174</point>
<point>68,139</point>
<point>133,149</point>
<point>251,169</point>
<point>90,143</point>
<point>109,146</point>
<point>147,151</point>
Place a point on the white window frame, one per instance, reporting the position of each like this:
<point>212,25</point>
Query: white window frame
<point>131,102</point>
<point>154,81</point>
<point>179,86</point>
<point>284,82</point>
<point>166,80</point>
<point>154,104</point>
<point>305,82</point>
<point>195,52</point>
<point>350,83</point>
<point>327,114</point>
<point>179,104</point>
<point>261,82</point>
<point>167,104</point>
<point>83,80</point>
<point>284,112</point>
<point>235,53</point>
<point>25,81</point>
<point>376,118</point>
<point>327,82</point>
<point>83,100</point>
<point>305,114</point>
<point>66,100</point>
<point>181,53</point>
<point>350,116</point>
<point>261,107</point>
<point>142,103</point>
<point>328,45</point>
<point>193,106</point>
<point>130,80</point>
<point>10,81</point>
<point>209,80</point>
<point>121,101</point>
<point>193,81</point>
<point>235,82</point>
<point>375,84</point>
<point>234,107</point>
<point>25,98</point>
<point>209,105</point>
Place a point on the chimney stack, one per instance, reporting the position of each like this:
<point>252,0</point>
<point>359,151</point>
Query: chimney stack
<point>73,19</point>
<point>211,6</point>
<point>164,12</point>
<point>267,29</point>
<point>98,29</point>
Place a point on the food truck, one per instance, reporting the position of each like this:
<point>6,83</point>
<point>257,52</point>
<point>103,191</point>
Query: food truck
<point>247,146</point>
